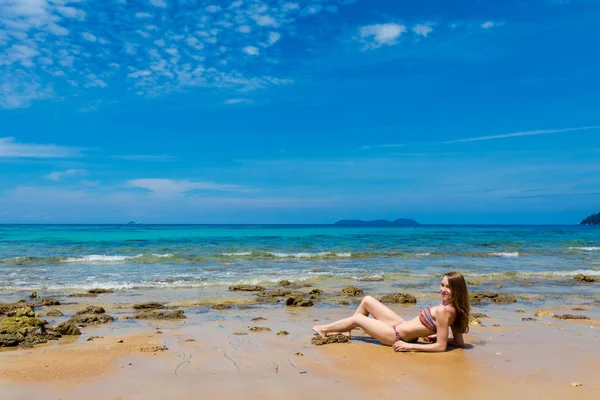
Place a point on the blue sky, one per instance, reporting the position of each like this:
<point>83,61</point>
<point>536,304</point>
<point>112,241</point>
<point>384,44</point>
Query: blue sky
<point>255,111</point>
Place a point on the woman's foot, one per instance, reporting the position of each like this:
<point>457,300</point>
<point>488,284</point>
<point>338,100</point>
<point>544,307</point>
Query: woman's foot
<point>318,329</point>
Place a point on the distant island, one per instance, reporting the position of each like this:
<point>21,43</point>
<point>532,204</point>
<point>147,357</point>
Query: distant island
<point>378,222</point>
<point>591,220</point>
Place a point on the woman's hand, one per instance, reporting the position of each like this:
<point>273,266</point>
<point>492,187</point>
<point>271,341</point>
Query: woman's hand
<point>430,339</point>
<point>401,345</point>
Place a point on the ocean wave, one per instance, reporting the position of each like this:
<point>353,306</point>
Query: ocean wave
<point>102,259</point>
<point>590,248</point>
<point>505,254</point>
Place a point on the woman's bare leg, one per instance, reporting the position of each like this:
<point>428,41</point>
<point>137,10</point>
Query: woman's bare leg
<point>375,328</point>
<point>371,306</point>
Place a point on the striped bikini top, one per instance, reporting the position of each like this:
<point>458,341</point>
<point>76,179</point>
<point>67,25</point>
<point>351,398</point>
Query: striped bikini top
<point>427,320</point>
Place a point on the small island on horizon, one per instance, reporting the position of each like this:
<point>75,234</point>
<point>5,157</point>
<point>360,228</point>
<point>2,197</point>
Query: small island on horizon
<point>378,222</point>
<point>593,219</point>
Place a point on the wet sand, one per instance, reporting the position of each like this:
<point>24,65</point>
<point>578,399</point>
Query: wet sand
<point>505,358</point>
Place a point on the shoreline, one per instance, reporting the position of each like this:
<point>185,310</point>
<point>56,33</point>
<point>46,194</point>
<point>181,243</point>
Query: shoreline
<point>506,356</point>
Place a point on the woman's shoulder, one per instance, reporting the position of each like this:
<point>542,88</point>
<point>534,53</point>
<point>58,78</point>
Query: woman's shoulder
<point>447,310</point>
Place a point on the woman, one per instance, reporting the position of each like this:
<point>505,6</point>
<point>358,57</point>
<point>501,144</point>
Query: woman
<point>432,323</point>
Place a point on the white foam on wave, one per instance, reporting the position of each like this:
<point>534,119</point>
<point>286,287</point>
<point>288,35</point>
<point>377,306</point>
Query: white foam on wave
<point>238,254</point>
<point>589,248</point>
<point>101,258</point>
<point>309,255</point>
<point>505,254</point>
<point>423,254</point>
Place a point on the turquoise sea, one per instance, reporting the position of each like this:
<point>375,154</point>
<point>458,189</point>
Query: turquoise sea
<point>528,260</point>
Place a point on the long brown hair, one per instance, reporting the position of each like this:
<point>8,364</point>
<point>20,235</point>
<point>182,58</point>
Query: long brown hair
<point>460,300</point>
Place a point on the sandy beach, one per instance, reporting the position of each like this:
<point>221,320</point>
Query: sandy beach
<point>216,353</point>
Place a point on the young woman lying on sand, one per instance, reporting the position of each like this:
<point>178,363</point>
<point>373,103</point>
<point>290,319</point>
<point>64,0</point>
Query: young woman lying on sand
<point>432,323</point>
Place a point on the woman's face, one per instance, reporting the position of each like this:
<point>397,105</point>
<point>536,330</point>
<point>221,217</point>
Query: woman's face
<point>445,290</point>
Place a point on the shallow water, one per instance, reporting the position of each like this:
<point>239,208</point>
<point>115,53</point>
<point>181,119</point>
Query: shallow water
<point>531,261</point>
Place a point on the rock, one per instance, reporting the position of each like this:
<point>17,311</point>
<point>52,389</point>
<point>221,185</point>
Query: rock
<point>246,288</point>
<point>578,309</point>
<point>576,384</point>
<point>585,278</point>
<point>25,311</point>
<point>370,279</point>
<point>498,286</point>
<point>528,319</point>
<point>266,300</point>
<point>474,282</point>
<point>478,315</point>
<point>543,313</point>
<point>148,306</point>
<point>496,298</point>
<point>571,316</point>
<point>285,282</point>
<point>68,329</point>
<point>100,291</point>
<point>344,303</point>
<point>90,319</point>
<point>319,341</point>
<point>18,309</point>
<point>240,333</point>
<point>520,311</point>
<point>258,319</point>
<point>298,301</point>
<point>315,292</point>
<point>8,340</point>
<point>352,291</point>
<point>282,333</point>
<point>398,298</point>
<point>274,293</point>
<point>221,306</point>
<point>24,331</point>
<point>160,315</point>
<point>33,295</point>
<point>91,338</point>
<point>260,329</point>
<point>153,349</point>
<point>48,301</point>
<point>83,295</point>
<point>91,310</point>
<point>54,313</point>
<point>298,354</point>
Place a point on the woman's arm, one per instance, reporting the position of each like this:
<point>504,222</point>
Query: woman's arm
<point>442,322</point>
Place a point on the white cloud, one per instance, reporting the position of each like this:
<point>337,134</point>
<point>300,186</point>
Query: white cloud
<point>57,29</point>
<point>525,133</point>
<point>488,24</point>
<point>142,15</point>
<point>89,37</point>
<point>68,12</point>
<point>237,101</point>
<point>59,175</point>
<point>379,35</point>
<point>244,29</point>
<point>274,37</point>
<point>423,29</point>
<point>265,20</point>
<point>169,187</point>
<point>10,148</point>
<point>159,3</point>
<point>251,50</point>
<point>213,9</point>
<point>138,74</point>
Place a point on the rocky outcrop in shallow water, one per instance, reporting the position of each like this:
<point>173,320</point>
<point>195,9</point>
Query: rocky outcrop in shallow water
<point>352,291</point>
<point>47,301</point>
<point>298,301</point>
<point>246,288</point>
<point>585,278</point>
<point>160,315</point>
<point>100,291</point>
<point>148,306</point>
<point>482,298</point>
<point>398,298</point>
<point>571,316</point>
